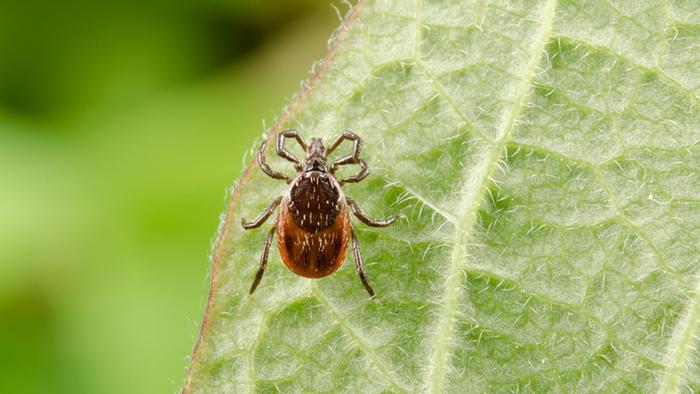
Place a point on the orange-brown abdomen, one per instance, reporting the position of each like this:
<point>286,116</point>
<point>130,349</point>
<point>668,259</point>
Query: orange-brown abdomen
<point>313,227</point>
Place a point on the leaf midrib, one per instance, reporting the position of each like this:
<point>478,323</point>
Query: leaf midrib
<point>473,193</point>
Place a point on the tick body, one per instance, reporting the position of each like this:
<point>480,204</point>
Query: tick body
<point>313,226</point>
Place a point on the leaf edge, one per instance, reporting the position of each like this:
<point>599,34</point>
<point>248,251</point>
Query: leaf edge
<point>318,70</point>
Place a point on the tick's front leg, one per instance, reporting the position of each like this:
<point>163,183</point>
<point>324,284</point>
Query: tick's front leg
<point>266,168</point>
<point>353,158</point>
<point>357,211</point>
<point>263,216</point>
<point>283,152</point>
<point>364,170</point>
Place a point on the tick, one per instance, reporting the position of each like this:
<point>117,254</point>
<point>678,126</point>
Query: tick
<point>313,225</point>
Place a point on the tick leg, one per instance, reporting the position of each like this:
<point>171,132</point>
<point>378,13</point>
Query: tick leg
<point>263,216</point>
<point>358,263</point>
<point>266,168</point>
<point>353,158</point>
<point>364,171</point>
<point>283,152</point>
<point>368,220</point>
<point>263,260</point>
<point>350,136</point>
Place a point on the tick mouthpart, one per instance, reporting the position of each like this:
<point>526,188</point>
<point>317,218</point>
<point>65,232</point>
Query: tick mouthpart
<point>315,165</point>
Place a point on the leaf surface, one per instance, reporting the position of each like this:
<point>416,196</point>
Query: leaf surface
<point>546,156</point>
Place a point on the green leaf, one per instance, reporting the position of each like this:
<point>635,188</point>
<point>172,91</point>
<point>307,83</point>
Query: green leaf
<point>546,156</point>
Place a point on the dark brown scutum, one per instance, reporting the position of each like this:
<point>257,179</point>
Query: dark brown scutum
<point>313,202</point>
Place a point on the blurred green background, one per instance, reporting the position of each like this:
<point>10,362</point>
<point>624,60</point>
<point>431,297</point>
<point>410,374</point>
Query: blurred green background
<point>122,125</point>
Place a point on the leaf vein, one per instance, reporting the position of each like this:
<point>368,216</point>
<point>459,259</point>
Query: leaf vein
<point>350,330</point>
<point>627,222</point>
<point>662,74</point>
<point>682,343</point>
<point>423,200</point>
<point>451,101</point>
